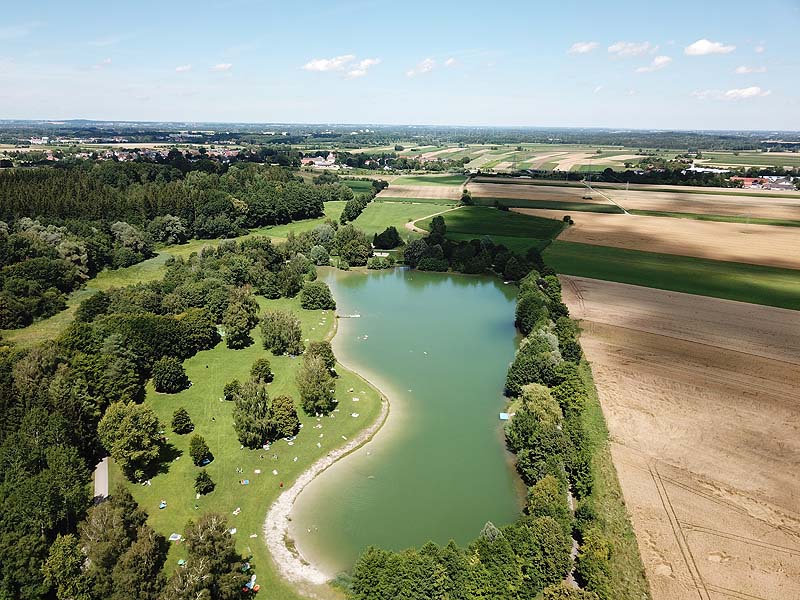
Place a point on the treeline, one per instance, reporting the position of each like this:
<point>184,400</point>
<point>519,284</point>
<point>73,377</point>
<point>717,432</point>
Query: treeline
<point>547,435</point>
<point>437,253</point>
<point>207,205</point>
<point>40,264</point>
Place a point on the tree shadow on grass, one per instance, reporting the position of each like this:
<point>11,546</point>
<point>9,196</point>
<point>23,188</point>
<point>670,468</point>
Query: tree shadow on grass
<point>167,454</point>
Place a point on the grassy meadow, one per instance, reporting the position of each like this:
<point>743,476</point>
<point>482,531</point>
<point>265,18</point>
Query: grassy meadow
<point>478,221</point>
<point>719,218</point>
<point>756,284</point>
<point>430,180</point>
<point>209,371</point>
<point>549,204</point>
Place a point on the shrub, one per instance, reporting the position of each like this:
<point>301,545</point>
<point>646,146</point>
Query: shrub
<point>203,484</point>
<point>231,389</point>
<point>182,422</point>
<point>380,262</point>
<point>169,376</point>
<point>433,264</point>
<point>386,240</point>
<point>198,450</point>
<point>261,371</point>
<point>319,255</point>
<point>593,569</point>
<point>324,351</point>
<point>316,295</point>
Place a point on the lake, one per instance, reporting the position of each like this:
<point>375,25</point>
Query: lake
<point>438,345</point>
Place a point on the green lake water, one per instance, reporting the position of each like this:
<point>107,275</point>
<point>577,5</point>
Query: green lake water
<point>438,346</point>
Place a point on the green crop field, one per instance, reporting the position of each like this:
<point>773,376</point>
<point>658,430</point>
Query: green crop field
<point>430,180</point>
<point>734,281</point>
<point>549,204</point>
<point>209,371</point>
<point>441,201</point>
<point>358,187</point>
<point>766,159</point>
<point>478,221</point>
<point>719,218</point>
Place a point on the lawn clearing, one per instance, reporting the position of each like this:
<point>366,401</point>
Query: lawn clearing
<point>735,281</point>
<point>209,371</point>
<point>377,216</point>
<point>563,207</point>
<point>358,187</point>
<point>441,201</point>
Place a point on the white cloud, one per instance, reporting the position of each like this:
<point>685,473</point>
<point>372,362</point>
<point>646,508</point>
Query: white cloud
<point>425,66</point>
<point>749,92</point>
<point>221,67</point>
<point>11,32</point>
<point>659,62</point>
<point>628,49</point>
<point>183,68</point>
<point>743,70</point>
<point>735,94</point>
<point>759,49</point>
<point>103,63</point>
<point>597,89</point>
<point>704,47</point>
<point>450,62</point>
<point>362,67</point>
<point>582,47</point>
<point>337,63</point>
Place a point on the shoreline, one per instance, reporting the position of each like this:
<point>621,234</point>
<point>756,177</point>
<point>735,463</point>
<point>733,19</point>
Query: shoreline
<point>289,562</point>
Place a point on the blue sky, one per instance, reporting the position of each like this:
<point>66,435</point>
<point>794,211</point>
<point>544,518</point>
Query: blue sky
<point>676,64</point>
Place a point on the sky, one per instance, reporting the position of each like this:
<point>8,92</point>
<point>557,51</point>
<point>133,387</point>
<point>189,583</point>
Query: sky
<point>669,65</point>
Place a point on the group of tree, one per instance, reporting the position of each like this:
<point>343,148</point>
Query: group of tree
<point>437,253</point>
<point>315,380</point>
<point>40,264</point>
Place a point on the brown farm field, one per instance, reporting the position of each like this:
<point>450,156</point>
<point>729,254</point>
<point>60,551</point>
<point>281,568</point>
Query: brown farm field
<point>738,242</point>
<point>533,192</point>
<point>444,192</point>
<point>701,400</point>
<point>709,204</point>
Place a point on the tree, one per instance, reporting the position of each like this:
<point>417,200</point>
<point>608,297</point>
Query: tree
<point>316,295</point>
<point>169,376</point>
<point>323,350</point>
<point>231,389</point>
<point>389,238</point>
<point>198,450</point>
<point>548,498</point>
<point>592,568</point>
<point>261,371</point>
<point>239,318</point>
<point>437,232</point>
<point>181,421</point>
<point>319,255</point>
<point>131,434</point>
<point>63,569</point>
<point>213,568</point>
<point>203,484</point>
<point>316,386</point>
<point>561,591</point>
<point>414,252</point>
<point>283,417</point>
<point>282,333</point>
<point>466,198</point>
<point>251,413</point>
<point>137,574</point>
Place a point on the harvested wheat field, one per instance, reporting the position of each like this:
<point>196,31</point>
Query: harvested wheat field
<point>533,192</point>
<point>701,400</point>
<point>709,204</point>
<point>444,192</point>
<point>745,243</point>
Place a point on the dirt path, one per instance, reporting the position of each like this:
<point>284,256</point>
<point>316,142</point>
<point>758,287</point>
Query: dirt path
<point>412,225</point>
<point>101,479</point>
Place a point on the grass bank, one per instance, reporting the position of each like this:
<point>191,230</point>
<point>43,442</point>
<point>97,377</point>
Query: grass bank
<point>549,204</point>
<point>756,284</point>
<point>209,371</point>
<point>628,578</point>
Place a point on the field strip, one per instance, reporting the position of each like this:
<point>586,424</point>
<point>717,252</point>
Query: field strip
<point>412,225</point>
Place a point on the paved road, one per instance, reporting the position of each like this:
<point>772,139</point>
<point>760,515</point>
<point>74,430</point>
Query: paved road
<point>101,479</point>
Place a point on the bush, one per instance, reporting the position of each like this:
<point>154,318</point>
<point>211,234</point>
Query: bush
<point>433,264</point>
<point>316,295</point>
<point>203,484</point>
<point>182,422</point>
<point>319,255</point>
<point>380,262</point>
<point>198,450</point>
<point>593,569</point>
<point>169,376</point>
<point>282,333</point>
<point>261,371</point>
<point>548,498</point>
<point>386,240</point>
<point>231,389</point>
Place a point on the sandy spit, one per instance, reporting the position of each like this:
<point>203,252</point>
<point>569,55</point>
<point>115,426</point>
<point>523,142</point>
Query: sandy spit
<point>291,565</point>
